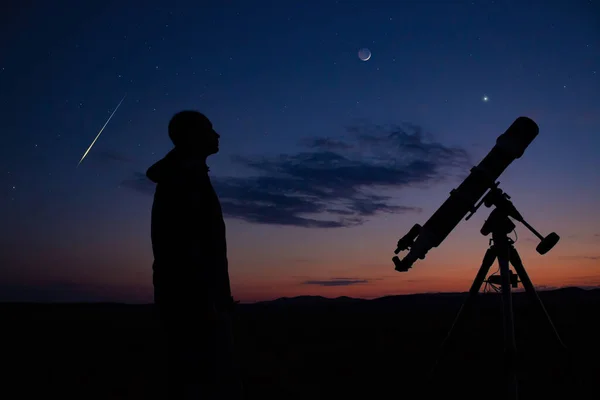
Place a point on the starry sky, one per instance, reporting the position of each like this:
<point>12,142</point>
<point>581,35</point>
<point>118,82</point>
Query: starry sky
<point>326,160</point>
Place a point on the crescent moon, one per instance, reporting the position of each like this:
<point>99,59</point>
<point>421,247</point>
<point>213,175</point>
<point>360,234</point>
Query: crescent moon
<point>364,54</point>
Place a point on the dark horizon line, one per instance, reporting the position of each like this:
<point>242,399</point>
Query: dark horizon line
<point>284,298</point>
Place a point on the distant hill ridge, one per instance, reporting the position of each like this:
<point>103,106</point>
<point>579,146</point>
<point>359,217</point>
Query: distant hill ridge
<point>321,299</point>
<point>345,300</point>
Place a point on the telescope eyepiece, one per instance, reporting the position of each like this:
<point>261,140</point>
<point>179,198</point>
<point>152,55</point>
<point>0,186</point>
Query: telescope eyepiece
<point>400,266</point>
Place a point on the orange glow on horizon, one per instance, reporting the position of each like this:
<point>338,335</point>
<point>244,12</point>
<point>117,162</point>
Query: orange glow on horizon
<point>421,279</point>
<point>585,274</point>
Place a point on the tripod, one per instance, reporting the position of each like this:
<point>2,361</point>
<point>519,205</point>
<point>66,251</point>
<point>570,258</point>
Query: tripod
<point>502,249</point>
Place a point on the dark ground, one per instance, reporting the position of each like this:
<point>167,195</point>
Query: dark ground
<point>315,348</point>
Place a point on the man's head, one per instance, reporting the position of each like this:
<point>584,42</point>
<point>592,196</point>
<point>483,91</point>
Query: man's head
<point>193,132</point>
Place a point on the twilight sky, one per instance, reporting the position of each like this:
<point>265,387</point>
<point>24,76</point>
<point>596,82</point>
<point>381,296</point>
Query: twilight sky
<point>325,161</point>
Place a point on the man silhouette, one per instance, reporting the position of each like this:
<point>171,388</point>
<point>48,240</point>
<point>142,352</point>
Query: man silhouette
<point>190,271</point>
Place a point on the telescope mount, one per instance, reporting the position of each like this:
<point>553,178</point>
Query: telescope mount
<point>499,225</point>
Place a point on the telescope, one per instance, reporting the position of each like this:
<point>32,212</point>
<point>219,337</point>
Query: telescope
<point>509,146</point>
<point>467,198</point>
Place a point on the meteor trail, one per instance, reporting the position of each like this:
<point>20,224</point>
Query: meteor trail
<point>98,135</point>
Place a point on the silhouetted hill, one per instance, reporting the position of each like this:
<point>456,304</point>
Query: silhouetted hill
<point>315,347</point>
<point>423,299</point>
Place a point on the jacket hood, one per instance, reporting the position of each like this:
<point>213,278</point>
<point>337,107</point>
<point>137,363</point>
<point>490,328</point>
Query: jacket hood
<point>174,165</point>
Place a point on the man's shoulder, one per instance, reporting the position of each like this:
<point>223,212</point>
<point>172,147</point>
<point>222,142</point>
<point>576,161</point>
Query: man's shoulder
<point>185,186</point>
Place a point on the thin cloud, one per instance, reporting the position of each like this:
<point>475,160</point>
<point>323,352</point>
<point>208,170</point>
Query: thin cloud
<point>336,282</point>
<point>546,287</point>
<point>110,156</point>
<point>140,183</point>
<point>579,257</point>
<point>334,182</point>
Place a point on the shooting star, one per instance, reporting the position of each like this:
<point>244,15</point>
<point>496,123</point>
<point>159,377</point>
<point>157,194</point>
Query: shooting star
<point>99,133</point>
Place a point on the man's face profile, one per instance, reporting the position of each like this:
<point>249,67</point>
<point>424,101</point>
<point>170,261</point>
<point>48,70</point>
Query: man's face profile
<point>205,139</point>
<point>196,134</point>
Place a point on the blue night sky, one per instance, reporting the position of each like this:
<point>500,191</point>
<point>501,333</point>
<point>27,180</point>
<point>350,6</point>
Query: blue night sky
<point>306,129</point>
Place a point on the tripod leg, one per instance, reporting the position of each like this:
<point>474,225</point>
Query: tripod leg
<point>503,254</point>
<point>515,260</point>
<point>486,264</point>
<point>488,261</point>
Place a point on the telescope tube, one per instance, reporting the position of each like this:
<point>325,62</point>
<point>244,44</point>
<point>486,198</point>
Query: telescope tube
<point>509,146</point>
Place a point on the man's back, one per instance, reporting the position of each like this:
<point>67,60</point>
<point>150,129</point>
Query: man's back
<point>187,228</point>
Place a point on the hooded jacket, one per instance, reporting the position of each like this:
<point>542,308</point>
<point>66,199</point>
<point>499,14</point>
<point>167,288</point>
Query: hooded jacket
<point>187,230</point>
